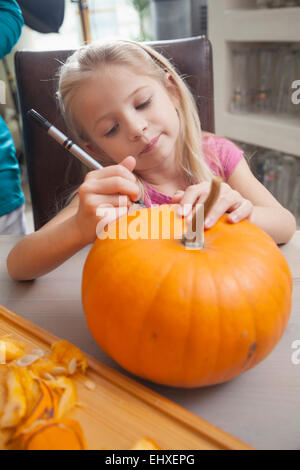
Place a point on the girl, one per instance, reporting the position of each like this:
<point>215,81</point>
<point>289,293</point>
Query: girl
<point>126,105</point>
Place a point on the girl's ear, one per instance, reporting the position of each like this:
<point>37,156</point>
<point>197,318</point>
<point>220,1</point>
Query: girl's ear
<point>88,147</point>
<point>172,88</point>
<point>92,149</point>
<point>96,152</point>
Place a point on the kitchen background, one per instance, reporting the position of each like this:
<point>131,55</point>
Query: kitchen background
<point>256,48</point>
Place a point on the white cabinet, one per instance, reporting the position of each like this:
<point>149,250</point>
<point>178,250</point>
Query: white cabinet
<point>238,21</point>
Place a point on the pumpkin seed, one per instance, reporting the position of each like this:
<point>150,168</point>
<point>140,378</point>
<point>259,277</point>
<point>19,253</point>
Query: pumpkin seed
<point>27,360</point>
<point>72,366</point>
<point>48,376</point>
<point>38,352</point>
<point>90,385</point>
<point>59,370</point>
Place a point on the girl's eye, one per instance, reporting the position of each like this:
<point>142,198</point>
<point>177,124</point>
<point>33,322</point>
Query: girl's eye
<point>144,105</point>
<point>112,131</point>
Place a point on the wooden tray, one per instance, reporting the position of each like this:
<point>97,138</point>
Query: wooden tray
<point>120,410</point>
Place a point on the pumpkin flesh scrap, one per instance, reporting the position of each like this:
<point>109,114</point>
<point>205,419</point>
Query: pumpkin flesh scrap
<point>13,348</point>
<point>54,434</point>
<point>66,392</point>
<point>15,405</point>
<point>43,410</point>
<point>31,396</point>
<point>31,388</point>
<point>145,444</point>
<point>64,353</point>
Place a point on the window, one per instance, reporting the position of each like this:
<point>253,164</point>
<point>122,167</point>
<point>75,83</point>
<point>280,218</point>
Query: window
<point>109,19</point>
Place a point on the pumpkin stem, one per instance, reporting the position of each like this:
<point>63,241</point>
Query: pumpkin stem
<point>194,237</point>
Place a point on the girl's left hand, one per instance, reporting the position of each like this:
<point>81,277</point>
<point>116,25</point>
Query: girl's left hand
<point>229,200</point>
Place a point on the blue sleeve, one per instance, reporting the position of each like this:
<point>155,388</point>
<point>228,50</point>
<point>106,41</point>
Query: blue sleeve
<point>11,22</point>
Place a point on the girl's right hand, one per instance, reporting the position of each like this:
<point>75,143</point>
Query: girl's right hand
<point>114,188</point>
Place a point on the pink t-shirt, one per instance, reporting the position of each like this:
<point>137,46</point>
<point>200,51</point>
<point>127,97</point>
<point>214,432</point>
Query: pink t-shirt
<point>225,150</point>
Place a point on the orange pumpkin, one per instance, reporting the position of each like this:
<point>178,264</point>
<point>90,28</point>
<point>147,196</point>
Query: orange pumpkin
<point>182,317</point>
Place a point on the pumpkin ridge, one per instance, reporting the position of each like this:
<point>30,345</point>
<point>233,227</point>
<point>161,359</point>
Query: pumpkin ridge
<point>279,272</point>
<point>188,297</point>
<point>106,328</point>
<point>198,291</point>
<point>89,269</point>
<point>219,322</point>
<point>184,369</point>
<point>273,294</point>
<point>280,317</point>
<point>93,281</point>
<point>268,243</point>
<point>224,377</point>
<point>107,318</point>
<point>149,309</point>
<point>247,300</point>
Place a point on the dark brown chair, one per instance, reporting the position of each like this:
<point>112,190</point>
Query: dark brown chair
<point>52,172</point>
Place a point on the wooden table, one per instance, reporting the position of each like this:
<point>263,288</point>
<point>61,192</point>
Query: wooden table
<point>261,407</point>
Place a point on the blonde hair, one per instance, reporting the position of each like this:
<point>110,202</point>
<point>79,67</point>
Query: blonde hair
<point>83,62</point>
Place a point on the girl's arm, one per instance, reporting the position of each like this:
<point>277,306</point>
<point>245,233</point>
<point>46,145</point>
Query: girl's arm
<point>267,212</point>
<point>40,252</point>
<point>76,225</point>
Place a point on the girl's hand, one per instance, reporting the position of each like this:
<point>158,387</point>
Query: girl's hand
<point>229,200</point>
<point>104,196</point>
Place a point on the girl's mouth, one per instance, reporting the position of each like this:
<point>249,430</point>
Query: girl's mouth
<point>150,145</point>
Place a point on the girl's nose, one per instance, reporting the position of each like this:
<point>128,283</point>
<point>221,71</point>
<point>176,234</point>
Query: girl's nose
<point>137,129</point>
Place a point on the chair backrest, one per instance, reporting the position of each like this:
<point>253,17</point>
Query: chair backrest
<point>52,171</point>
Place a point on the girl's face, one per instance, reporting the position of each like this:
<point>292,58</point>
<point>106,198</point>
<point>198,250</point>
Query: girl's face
<point>125,113</point>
